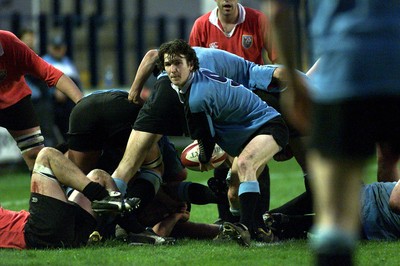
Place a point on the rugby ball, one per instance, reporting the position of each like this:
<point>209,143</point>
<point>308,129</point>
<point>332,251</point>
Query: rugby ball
<point>190,156</point>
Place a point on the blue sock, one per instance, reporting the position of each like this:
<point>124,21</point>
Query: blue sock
<point>333,241</point>
<point>122,186</point>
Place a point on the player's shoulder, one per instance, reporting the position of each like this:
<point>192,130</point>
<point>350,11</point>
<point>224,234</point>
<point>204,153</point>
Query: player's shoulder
<point>7,35</point>
<point>10,41</point>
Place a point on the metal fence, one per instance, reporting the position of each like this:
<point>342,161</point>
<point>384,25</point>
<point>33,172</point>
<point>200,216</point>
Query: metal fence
<point>107,38</point>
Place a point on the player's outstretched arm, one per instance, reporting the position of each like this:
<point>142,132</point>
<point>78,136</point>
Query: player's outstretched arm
<point>143,73</point>
<point>69,88</point>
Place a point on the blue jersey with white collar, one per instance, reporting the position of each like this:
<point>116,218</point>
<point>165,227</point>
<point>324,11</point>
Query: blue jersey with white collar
<point>219,108</point>
<point>251,75</point>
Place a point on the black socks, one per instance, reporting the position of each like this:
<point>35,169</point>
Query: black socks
<point>95,191</point>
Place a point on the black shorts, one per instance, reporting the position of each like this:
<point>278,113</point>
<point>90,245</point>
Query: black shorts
<point>100,119</point>
<point>275,127</point>
<point>172,162</point>
<point>272,99</point>
<point>56,224</point>
<point>162,113</point>
<point>352,128</point>
<point>19,116</point>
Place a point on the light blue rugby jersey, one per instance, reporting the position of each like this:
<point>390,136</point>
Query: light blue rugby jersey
<point>251,75</point>
<point>234,113</point>
<point>379,222</point>
<point>226,64</point>
<point>358,44</point>
<point>229,65</point>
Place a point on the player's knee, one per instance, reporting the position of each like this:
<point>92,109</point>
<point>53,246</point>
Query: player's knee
<point>245,165</point>
<point>155,164</point>
<point>98,176</point>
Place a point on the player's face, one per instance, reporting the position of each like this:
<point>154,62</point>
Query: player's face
<point>177,68</point>
<point>227,7</point>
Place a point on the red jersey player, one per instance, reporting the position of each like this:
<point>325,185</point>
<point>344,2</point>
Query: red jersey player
<point>16,110</point>
<point>231,27</point>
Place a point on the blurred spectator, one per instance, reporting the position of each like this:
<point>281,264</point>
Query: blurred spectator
<point>56,56</point>
<point>40,95</point>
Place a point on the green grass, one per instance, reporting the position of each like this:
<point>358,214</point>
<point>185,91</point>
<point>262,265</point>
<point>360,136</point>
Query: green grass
<point>286,182</point>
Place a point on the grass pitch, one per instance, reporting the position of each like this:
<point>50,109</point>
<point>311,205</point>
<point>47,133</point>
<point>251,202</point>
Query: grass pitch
<point>286,182</point>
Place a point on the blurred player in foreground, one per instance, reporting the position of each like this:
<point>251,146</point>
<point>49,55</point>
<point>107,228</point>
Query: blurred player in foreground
<point>356,88</point>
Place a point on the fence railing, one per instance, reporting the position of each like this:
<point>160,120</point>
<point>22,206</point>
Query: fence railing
<point>101,41</point>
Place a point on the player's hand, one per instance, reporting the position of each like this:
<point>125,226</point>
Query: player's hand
<point>184,213</point>
<point>134,95</point>
<point>296,104</point>
<point>206,167</point>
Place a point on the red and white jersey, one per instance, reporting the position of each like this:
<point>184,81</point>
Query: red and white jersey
<point>12,225</point>
<point>16,60</point>
<point>245,40</point>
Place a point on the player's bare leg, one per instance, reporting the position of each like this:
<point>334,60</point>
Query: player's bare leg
<point>250,164</point>
<point>58,169</point>
<point>336,184</point>
<point>139,143</point>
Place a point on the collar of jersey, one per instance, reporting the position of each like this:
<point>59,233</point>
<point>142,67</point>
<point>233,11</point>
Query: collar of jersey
<point>214,19</point>
<point>185,87</point>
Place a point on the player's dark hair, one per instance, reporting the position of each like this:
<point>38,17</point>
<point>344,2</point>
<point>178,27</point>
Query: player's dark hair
<point>177,48</point>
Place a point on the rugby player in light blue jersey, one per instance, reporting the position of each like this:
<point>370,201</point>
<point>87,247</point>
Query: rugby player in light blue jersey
<point>219,110</point>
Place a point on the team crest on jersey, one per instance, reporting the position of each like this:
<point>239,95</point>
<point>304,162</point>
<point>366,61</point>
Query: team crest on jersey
<point>213,45</point>
<point>247,41</point>
<point>3,74</point>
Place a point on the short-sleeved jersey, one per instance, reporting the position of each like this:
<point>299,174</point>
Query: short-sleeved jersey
<point>358,46</point>
<point>12,226</point>
<point>224,110</point>
<point>379,222</point>
<point>226,64</point>
<point>251,75</point>
<point>163,114</point>
<point>102,121</point>
<point>245,40</point>
<point>16,60</point>
<point>65,65</point>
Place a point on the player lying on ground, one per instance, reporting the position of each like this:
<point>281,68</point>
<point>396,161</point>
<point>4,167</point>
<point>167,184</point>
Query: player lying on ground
<point>100,125</point>
<point>380,214</point>
<point>53,220</point>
